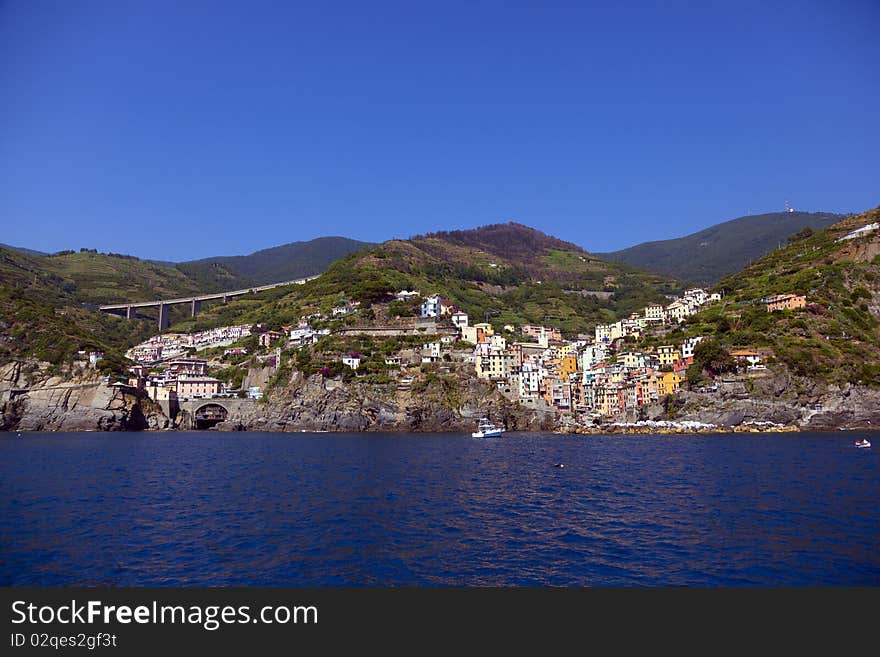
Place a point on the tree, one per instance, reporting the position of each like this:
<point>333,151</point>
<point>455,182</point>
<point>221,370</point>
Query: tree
<point>802,234</point>
<point>710,355</point>
<point>694,375</point>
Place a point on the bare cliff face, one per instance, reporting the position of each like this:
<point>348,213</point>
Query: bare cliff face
<point>32,401</point>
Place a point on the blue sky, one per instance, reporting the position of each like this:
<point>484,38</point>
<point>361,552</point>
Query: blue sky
<point>175,130</point>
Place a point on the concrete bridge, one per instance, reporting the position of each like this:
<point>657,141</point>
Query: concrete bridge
<point>129,310</point>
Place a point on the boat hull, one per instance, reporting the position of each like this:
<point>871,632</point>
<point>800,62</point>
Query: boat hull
<point>487,434</point>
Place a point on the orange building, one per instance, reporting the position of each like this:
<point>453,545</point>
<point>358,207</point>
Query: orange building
<point>567,366</point>
<point>786,302</point>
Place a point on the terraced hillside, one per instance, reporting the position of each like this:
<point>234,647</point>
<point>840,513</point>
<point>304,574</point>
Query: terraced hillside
<point>836,338</point>
<point>509,273</point>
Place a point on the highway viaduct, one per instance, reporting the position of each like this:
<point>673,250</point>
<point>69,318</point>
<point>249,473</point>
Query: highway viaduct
<point>129,310</point>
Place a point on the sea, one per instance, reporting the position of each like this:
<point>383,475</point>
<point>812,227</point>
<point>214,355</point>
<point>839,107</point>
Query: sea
<point>281,509</point>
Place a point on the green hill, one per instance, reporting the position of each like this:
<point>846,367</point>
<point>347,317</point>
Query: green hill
<point>707,256</point>
<point>47,302</point>
<point>281,263</point>
<point>837,337</point>
<point>98,278</point>
<point>41,315</point>
<point>20,249</point>
<point>508,272</point>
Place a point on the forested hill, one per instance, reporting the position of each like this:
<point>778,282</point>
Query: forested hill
<point>280,263</point>
<point>709,255</point>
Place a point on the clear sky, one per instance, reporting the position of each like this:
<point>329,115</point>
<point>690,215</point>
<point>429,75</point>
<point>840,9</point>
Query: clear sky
<point>175,130</point>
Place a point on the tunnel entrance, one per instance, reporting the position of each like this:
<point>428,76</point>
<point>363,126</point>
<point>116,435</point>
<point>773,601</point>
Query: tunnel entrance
<point>209,415</point>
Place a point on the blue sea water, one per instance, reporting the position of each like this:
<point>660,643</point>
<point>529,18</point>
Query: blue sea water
<point>212,509</point>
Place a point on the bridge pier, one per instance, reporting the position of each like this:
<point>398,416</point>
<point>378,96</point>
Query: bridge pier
<point>163,316</point>
<point>196,307</point>
<point>130,312</point>
<point>225,298</point>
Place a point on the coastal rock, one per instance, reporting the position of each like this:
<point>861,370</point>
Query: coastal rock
<point>85,403</point>
<point>454,404</point>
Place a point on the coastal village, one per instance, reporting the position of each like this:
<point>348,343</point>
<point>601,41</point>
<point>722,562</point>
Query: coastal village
<point>602,375</point>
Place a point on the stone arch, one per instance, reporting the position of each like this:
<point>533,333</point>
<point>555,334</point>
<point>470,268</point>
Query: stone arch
<point>209,415</point>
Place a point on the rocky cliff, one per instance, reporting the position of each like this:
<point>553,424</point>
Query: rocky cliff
<point>777,399</point>
<point>31,400</point>
<point>451,403</point>
<point>454,401</point>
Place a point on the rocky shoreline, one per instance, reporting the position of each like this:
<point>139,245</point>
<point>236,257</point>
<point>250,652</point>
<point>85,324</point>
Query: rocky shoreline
<point>32,401</point>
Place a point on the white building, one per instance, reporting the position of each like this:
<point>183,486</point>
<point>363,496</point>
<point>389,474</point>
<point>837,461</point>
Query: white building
<point>679,310</point>
<point>608,332</point>
<point>530,377</point>
<point>697,295</point>
<point>592,355</point>
<point>430,352</point>
<point>431,306</point>
<point>460,320</point>
<point>497,341</point>
<point>353,362</point>
<point>687,347</point>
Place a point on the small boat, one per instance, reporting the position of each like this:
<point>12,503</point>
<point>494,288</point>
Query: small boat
<point>864,442</point>
<point>485,429</point>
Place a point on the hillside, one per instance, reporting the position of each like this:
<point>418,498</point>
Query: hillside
<point>508,272</point>
<point>707,256</point>
<point>280,263</point>
<point>41,316</point>
<point>20,249</point>
<point>98,278</point>
<point>45,299</point>
<point>836,339</point>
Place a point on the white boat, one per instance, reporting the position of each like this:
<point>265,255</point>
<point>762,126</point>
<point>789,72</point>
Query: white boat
<point>485,429</point>
<point>864,442</point>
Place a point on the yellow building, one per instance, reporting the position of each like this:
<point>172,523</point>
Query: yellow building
<point>485,327</point>
<point>566,349</point>
<point>567,366</point>
<point>668,354</point>
<point>495,365</point>
<point>669,384</point>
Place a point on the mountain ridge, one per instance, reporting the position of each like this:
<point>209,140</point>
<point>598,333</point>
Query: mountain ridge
<point>706,256</point>
<point>512,272</point>
<point>278,263</point>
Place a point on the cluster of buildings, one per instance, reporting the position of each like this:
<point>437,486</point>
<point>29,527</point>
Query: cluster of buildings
<point>582,376</point>
<point>657,314</point>
<point>591,375</point>
<point>171,345</point>
<point>181,379</point>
